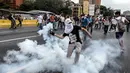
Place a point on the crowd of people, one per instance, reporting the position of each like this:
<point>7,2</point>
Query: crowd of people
<point>72,24</point>
<point>85,23</point>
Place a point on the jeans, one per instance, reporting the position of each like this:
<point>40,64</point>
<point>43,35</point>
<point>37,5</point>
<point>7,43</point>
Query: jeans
<point>40,26</point>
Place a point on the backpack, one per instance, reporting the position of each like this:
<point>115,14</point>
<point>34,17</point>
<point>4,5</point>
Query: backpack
<point>120,25</point>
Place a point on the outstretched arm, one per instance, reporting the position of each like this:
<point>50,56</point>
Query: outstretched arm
<point>83,29</point>
<point>58,36</point>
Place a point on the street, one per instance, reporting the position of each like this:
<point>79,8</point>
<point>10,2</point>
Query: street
<point>10,43</point>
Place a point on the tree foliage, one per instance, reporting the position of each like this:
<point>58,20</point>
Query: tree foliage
<point>56,6</point>
<point>4,6</point>
<point>50,5</point>
<point>106,11</point>
<point>66,11</point>
<point>26,6</point>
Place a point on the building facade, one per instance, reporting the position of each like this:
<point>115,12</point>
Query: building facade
<point>96,2</point>
<point>91,1</point>
<point>76,10</point>
<point>13,3</point>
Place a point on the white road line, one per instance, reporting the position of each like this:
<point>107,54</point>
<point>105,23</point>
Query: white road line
<point>9,40</point>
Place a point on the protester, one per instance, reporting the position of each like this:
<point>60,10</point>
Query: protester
<point>76,19</point>
<point>120,29</point>
<point>113,24</point>
<point>56,21</point>
<point>84,22</point>
<point>52,20</point>
<point>90,26</point>
<point>96,23</point>
<point>45,19</point>
<point>100,22</point>
<point>72,31</point>
<point>61,24</point>
<point>40,20</point>
<point>128,26</point>
<point>106,25</point>
<point>20,19</point>
<point>13,22</point>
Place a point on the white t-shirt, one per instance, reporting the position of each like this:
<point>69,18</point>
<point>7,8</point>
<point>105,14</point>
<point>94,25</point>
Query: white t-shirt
<point>40,18</point>
<point>123,20</point>
<point>114,21</point>
<point>106,22</point>
<point>62,19</point>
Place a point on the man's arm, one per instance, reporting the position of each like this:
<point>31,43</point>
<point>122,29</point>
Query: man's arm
<point>58,36</point>
<point>83,29</point>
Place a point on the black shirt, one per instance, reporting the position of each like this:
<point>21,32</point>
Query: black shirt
<point>74,35</point>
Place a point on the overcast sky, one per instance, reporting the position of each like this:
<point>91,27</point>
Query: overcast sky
<point>116,4</point>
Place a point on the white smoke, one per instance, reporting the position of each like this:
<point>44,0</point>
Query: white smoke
<point>34,58</point>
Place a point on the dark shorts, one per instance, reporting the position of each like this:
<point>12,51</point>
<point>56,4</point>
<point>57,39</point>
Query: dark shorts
<point>119,35</point>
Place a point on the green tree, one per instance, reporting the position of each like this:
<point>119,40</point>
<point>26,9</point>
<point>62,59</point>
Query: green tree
<point>49,5</point>
<point>106,11</point>
<point>4,6</point>
<point>66,11</point>
<point>26,6</point>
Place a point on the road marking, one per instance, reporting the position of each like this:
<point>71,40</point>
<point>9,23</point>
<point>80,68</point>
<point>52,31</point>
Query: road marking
<point>9,40</point>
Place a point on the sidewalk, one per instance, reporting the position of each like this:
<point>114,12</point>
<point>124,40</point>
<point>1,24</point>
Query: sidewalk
<point>5,31</point>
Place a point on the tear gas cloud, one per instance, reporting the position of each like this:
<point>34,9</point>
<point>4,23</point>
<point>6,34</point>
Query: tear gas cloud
<point>34,58</point>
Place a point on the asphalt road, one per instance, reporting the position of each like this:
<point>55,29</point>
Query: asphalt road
<point>10,43</point>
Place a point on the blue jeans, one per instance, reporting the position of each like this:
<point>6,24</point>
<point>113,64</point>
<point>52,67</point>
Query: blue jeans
<point>40,26</point>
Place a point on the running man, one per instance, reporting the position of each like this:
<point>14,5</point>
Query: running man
<point>72,31</point>
<point>120,29</point>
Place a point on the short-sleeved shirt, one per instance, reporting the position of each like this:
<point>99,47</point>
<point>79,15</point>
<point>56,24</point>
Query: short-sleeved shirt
<point>40,18</point>
<point>74,35</point>
<point>84,22</point>
<point>118,19</point>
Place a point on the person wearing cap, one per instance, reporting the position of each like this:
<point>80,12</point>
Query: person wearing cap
<point>72,31</point>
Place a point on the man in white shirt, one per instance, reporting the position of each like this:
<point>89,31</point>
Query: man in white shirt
<point>40,20</point>
<point>106,25</point>
<point>114,23</point>
<point>120,29</point>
